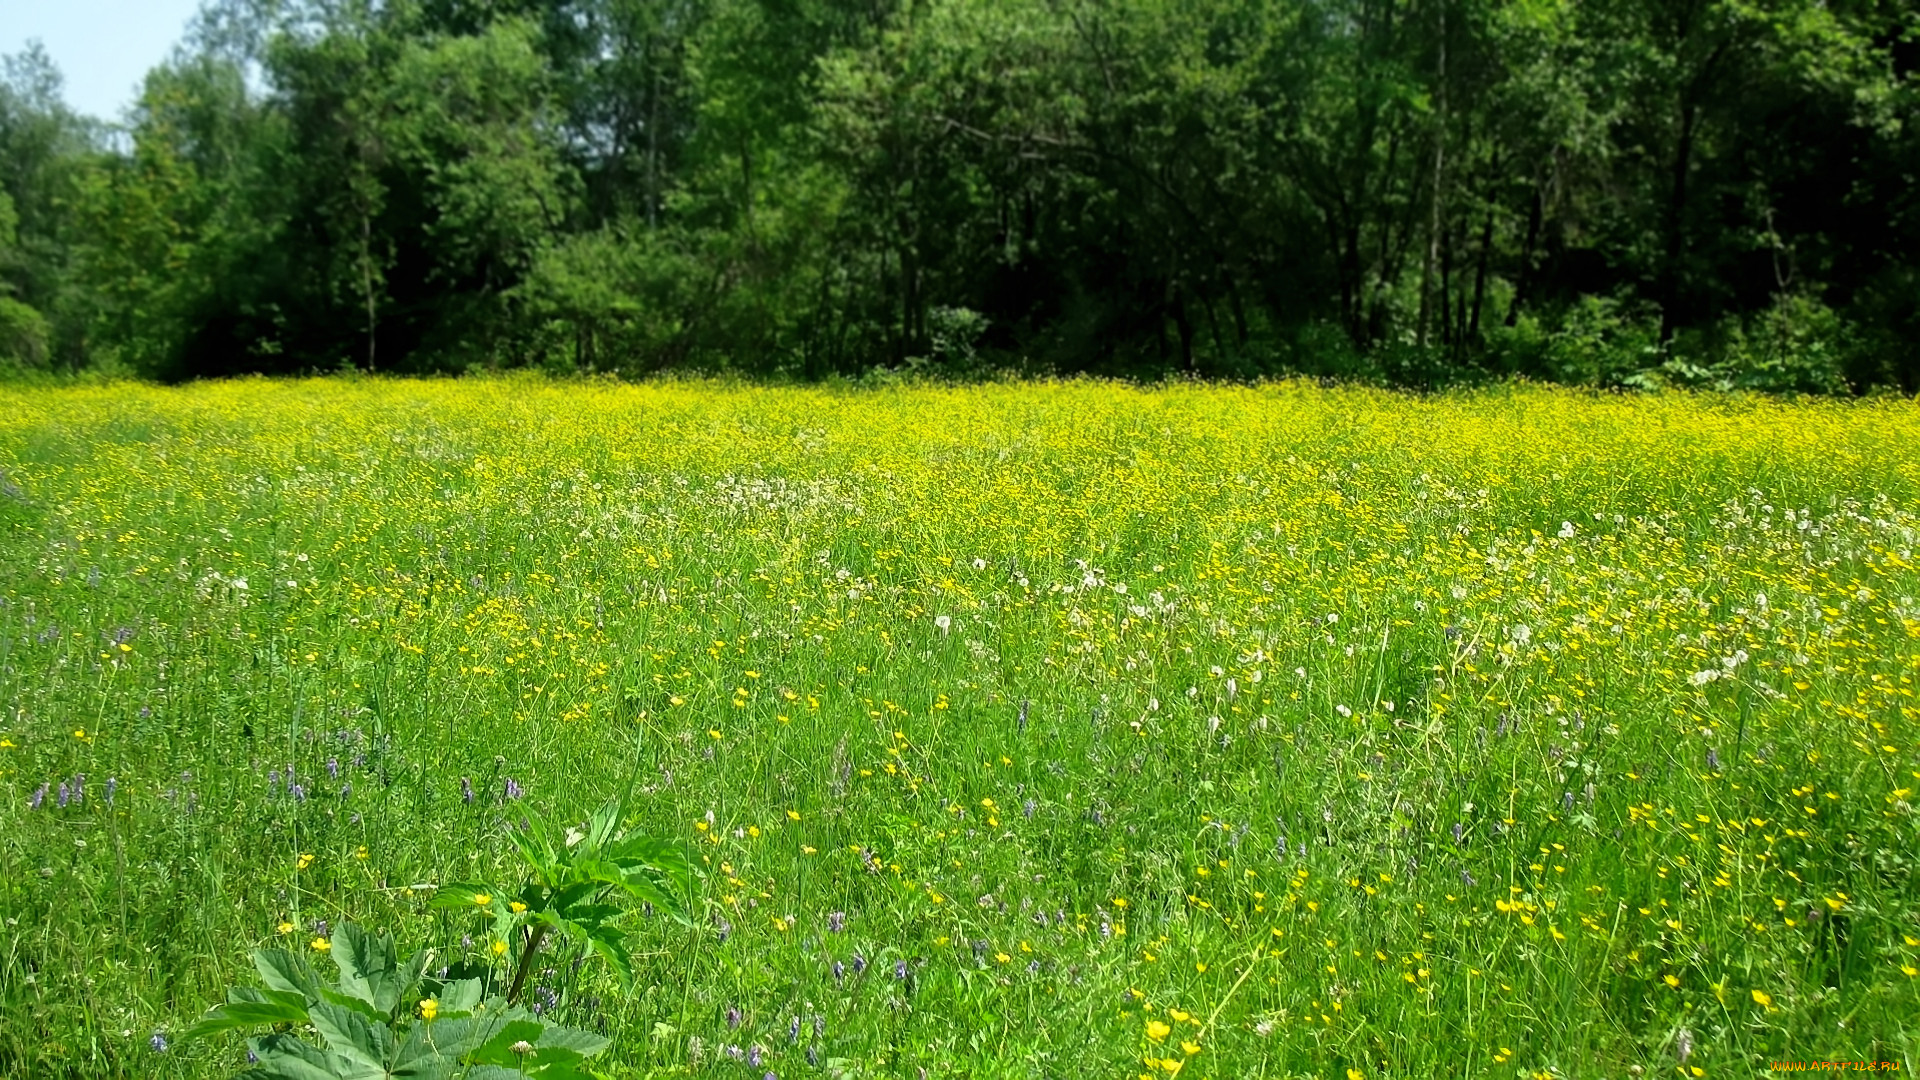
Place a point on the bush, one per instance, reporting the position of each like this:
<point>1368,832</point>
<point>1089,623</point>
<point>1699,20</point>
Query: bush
<point>23,337</point>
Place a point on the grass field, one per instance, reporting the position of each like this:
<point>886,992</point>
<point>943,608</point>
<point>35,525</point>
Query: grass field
<point>1028,730</point>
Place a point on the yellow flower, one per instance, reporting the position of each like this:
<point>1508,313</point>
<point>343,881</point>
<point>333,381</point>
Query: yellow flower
<point>1355,1074</point>
<point>1671,980</point>
<point>80,733</point>
<point>429,1008</point>
<point>483,899</point>
<point>499,948</point>
<point>284,927</point>
<point>1157,1030</point>
<point>793,815</point>
<point>361,853</point>
<point>1190,1048</point>
<point>516,907</point>
<point>320,944</point>
<point>306,860</point>
<point>1763,999</point>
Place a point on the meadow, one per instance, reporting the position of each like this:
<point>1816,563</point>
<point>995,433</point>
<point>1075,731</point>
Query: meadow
<point>1025,730</point>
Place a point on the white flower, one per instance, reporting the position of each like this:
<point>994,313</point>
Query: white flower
<point>1521,634</point>
<point>943,623</point>
<point>1566,530</point>
<point>1343,710</point>
<point>1702,678</point>
<point>979,564</point>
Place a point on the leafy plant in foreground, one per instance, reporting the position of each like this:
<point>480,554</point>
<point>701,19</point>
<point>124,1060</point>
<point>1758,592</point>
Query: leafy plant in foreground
<point>384,1018</point>
<point>571,888</point>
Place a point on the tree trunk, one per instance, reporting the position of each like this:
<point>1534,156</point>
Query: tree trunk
<point>1525,278</point>
<point>1676,206</point>
<point>1439,184</point>
<point>1480,279</point>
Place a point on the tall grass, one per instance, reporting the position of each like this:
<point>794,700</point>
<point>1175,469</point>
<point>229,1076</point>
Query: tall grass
<point>1019,730</point>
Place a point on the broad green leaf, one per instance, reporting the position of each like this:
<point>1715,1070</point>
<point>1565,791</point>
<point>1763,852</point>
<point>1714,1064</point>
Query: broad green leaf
<point>367,968</point>
<point>351,1035</point>
<point>283,1057</point>
<point>584,1043</point>
<point>459,996</point>
<point>498,1049</point>
<point>600,829</point>
<point>456,1037</point>
<point>245,1014</point>
<point>282,970</point>
<point>419,1058</point>
<point>611,943</point>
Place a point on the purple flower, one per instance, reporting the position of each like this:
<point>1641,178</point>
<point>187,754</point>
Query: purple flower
<point>733,1016</point>
<point>1459,830</point>
<point>1713,759</point>
<point>466,791</point>
<point>771,1075</point>
<point>158,1042</point>
<point>900,969</point>
<point>836,921</point>
<point>64,794</point>
<point>322,928</point>
<point>39,796</point>
<point>514,791</point>
<point>112,783</point>
<point>793,1029</point>
<point>333,768</point>
<point>80,787</point>
<point>298,792</point>
<point>273,781</point>
<point>753,1056</point>
<point>346,789</point>
<point>859,963</point>
<point>839,971</point>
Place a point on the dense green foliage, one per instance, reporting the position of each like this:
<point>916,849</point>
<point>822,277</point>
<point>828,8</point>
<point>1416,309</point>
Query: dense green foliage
<point>1705,192</point>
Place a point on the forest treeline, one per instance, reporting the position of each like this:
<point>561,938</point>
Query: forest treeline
<point>1616,192</point>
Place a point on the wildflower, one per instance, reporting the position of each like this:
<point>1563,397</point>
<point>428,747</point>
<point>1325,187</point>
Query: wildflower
<point>65,794</point>
<point>466,791</point>
<point>521,1047</point>
<point>429,1008</point>
<point>158,1044</point>
<point>112,783</point>
<point>514,791</point>
<point>482,899</point>
<point>943,623</point>
<point>499,948</point>
<point>285,927</point>
<point>1157,1030</point>
<point>836,921</point>
<point>1763,999</point>
<point>39,796</point>
<point>305,860</point>
<point>320,944</point>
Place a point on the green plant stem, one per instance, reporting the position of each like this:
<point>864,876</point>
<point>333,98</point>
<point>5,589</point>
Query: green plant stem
<point>535,934</point>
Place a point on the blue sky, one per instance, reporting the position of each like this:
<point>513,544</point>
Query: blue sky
<point>103,47</point>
